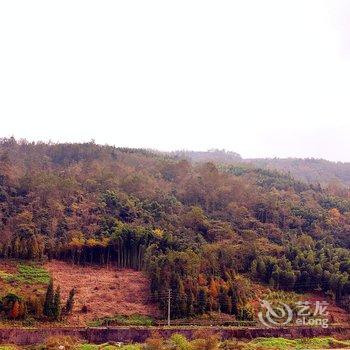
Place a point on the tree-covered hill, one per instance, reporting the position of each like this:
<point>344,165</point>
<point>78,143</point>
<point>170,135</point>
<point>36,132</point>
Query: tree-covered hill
<point>310,170</point>
<point>202,230</point>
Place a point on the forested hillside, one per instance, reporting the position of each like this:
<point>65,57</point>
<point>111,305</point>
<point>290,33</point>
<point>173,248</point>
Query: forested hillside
<point>310,170</point>
<point>202,230</point>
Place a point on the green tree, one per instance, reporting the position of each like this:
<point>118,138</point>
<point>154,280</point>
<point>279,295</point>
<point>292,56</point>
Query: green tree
<point>56,309</point>
<point>202,300</point>
<point>224,301</point>
<point>49,300</point>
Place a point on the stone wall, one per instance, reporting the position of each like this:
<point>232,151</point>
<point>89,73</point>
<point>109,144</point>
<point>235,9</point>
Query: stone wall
<point>23,336</point>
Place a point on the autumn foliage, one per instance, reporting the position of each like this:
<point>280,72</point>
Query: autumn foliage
<point>195,228</point>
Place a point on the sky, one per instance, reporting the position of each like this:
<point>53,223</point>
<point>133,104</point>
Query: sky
<point>262,78</point>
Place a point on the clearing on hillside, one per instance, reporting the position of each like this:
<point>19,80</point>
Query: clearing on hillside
<point>105,292</point>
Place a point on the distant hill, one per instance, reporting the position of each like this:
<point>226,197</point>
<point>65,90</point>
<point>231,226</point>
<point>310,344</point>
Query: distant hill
<point>308,170</point>
<point>214,155</point>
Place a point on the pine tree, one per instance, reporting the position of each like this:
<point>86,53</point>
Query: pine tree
<point>70,302</point>
<point>49,300</point>
<point>224,302</point>
<point>234,300</point>
<point>56,309</point>
<point>202,300</point>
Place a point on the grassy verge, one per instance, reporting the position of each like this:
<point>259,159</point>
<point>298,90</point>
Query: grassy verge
<point>203,342</point>
<point>121,320</point>
<point>297,344</point>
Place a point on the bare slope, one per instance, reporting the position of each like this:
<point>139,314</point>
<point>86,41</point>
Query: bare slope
<point>105,292</point>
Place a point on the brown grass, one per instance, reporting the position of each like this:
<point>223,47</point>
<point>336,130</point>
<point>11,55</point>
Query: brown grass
<point>105,292</point>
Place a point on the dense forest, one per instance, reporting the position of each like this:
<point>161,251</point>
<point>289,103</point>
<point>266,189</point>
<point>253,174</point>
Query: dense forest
<point>202,230</point>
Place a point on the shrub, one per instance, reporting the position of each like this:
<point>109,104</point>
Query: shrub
<point>13,306</point>
<point>130,347</point>
<point>208,343</point>
<point>122,320</point>
<point>56,343</point>
<point>179,342</point>
<point>84,309</point>
<point>155,342</point>
<point>29,322</point>
<point>35,306</point>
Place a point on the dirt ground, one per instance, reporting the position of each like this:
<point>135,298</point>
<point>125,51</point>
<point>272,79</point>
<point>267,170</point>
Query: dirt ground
<point>105,292</point>
<point>336,314</point>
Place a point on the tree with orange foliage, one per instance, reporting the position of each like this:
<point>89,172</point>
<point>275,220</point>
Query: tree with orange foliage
<point>16,310</point>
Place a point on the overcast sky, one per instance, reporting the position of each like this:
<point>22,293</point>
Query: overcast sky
<point>262,78</point>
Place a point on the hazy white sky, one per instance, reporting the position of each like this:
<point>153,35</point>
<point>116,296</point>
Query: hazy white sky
<point>262,78</point>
